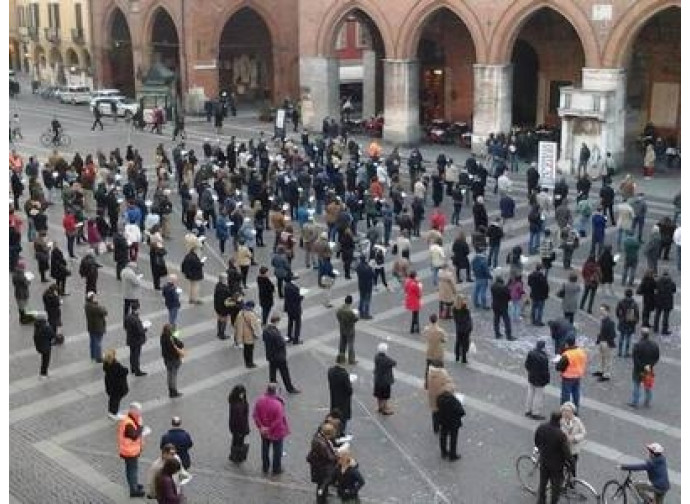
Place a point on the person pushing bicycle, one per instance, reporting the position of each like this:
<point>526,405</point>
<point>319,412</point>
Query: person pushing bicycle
<point>657,472</point>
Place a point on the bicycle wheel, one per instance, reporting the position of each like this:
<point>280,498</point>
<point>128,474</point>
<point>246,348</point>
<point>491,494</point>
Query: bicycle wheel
<point>580,491</point>
<point>65,140</point>
<point>613,493</point>
<point>46,139</point>
<point>528,473</point>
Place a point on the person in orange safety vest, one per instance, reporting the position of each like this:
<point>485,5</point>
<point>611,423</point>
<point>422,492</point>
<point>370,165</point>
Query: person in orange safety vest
<point>572,365</point>
<point>130,441</point>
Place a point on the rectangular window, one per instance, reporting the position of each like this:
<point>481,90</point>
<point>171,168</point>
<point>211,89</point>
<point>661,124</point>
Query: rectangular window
<point>362,35</point>
<point>341,39</point>
<point>77,17</point>
<point>54,15</point>
<point>35,15</point>
<point>20,16</point>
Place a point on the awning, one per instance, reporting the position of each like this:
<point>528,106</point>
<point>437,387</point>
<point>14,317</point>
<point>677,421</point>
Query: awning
<point>351,73</point>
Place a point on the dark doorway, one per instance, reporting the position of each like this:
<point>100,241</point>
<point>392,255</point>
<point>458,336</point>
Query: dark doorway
<point>525,84</point>
<point>120,58</point>
<point>165,44</point>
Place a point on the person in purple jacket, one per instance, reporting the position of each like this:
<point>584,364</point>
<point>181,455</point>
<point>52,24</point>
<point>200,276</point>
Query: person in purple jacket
<point>271,420</point>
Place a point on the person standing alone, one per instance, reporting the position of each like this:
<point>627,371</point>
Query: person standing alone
<point>347,318</point>
<point>271,420</point>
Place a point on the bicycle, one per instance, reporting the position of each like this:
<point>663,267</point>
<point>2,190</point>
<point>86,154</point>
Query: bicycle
<point>48,139</point>
<point>574,489</point>
<point>615,492</point>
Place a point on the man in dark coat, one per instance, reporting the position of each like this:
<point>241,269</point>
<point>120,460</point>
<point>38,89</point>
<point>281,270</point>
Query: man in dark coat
<point>193,269</point>
<point>58,269</point>
<point>340,387</point>
<point>347,318</point>
<point>538,377</point>
<point>554,451</point>
<point>532,179</point>
<point>120,253</point>
<point>365,283</point>
<point>43,340</point>
<point>539,293</point>
<point>276,354</point>
<point>500,297</point>
<point>449,415</point>
<point>645,356</point>
<point>88,270</point>
<point>136,337</point>
<point>665,289</point>
<point>481,218</point>
<point>561,329</point>
<point>181,439</point>
<point>606,341</point>
<point>293,308</point>
<point>222,298</point>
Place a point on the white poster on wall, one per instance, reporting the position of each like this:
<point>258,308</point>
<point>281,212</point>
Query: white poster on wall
<point>546,163</point>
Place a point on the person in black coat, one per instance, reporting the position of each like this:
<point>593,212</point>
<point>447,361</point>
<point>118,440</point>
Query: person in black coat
<point>115,382</point>
<point>645,356</point>
<point>88,270</point>
<point>532,179</point>
<point>561,329</point>
<point>340,388</point>
<point>665,289</point>
<point>172,350</point>
<point>538,377</point>
<point>51,304</point>
<point>159,269</point>
<point>136,337</point>
<point>293,308</point>
<point>222,299</point>
<point>383,378</point>
<point>449,416</point>
<point>500,298</point>
<point>463,328</point>
<point>43,340</point>
<point>348,479</point>
<point>120,253</point>
<point>276,354</point>
<point>193,269</point>
<point>481,218</point>
<point>554,451</point>
<point>365,284</point>
<point>266,293</point>
<point>647,289</point>
<point>460,257</point>
<point>58,269</point>
<point>238,423</point>
<point>539,293</point>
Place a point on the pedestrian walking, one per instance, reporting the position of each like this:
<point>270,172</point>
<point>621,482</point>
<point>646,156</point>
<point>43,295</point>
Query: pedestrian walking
<point>238,423</point>
<point>347,318</point>
<point>95,325</point>
<point>271,421</point>
<point>180,439</point>
<point>538,377</point>
<point>413,299</point>
<point>628,315</point>
<point>645,357</point>
<point>247,331</point>
<point>575,431</point>
<point>171,294</point>
<point>44,336</point>
<point>340,388</point>
<point>172,351</point>
<point>606,342</point>
<point>572,365</point>
<point>665,291</point>
<point>500,299</point>
<point>276,354</point>
<point>383,378</point>
<point>130,440</point>
<point>115,378</point>
<point>569,294</point>
<point>554,455</point>
<point>97,115</point>
<point>136,338</point>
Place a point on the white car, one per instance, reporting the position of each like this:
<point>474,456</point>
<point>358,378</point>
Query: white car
<point>103,93</point>
<point>125,107</point>
<point>75,95</point>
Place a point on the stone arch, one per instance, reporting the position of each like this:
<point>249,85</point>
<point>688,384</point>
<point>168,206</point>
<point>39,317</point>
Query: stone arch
<point>86,58</point>
<point>109,18</point>
<point>513,19</point>
<point>271,23</point>
<point>55,57</point>
<point>71,58</point>
<point>118,56</point>
<point>331,23</point>
<point>624,33</point>
<point>415,22</point>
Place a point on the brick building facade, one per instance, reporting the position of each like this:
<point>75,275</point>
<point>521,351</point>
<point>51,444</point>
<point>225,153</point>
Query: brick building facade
<point>600,71</point>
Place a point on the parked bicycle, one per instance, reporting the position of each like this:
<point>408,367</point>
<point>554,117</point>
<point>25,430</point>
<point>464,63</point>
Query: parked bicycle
<point>574,489</point>
<point>615,492</point>
<point>48,139</point>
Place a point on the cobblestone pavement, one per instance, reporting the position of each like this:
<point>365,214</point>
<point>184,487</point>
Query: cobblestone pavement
<point>62,445</point>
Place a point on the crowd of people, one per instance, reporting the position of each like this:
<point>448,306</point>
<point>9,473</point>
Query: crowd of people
<point>317,196</point>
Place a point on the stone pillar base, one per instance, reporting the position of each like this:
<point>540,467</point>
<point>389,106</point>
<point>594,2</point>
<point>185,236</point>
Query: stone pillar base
<point>401,102</point>
<point>493,102</point>
<point>319,81</point>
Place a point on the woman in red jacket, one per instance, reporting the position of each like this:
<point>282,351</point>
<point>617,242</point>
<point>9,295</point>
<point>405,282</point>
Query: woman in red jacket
<point>413,299</point>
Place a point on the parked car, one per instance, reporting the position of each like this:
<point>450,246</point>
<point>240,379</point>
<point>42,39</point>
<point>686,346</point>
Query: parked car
<point>125,107</point>
<point>75,95</point>
<point>14,84</point>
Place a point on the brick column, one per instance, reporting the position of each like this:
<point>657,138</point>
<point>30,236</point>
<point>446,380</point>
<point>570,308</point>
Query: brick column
<point>493,102</point>
<point>368,83</point>
<point>320,91</point>
<point>401,101</point>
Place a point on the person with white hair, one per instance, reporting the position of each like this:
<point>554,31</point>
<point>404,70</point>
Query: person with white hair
<point>574,430</point>
<point>383,378</point>
<point>130,441</point>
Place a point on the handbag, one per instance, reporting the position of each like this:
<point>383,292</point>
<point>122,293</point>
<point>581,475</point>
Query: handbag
<point>648,380</point>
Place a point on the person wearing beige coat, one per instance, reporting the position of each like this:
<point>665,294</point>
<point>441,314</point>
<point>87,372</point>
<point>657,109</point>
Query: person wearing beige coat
<point>438,381</point>
<point>435,337</point>
<point>243,258</point>
<point>247,330</point>
<point>446,292</point>
<point>574,429</point>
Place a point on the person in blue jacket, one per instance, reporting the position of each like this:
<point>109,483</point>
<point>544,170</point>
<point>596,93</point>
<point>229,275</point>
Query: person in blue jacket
<point>181,439</point>
<point>657,472</point>
<point>598,231</point>
<point>482,275</point>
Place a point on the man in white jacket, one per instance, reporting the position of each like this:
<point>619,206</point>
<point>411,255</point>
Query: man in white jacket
<point>438,259</point>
